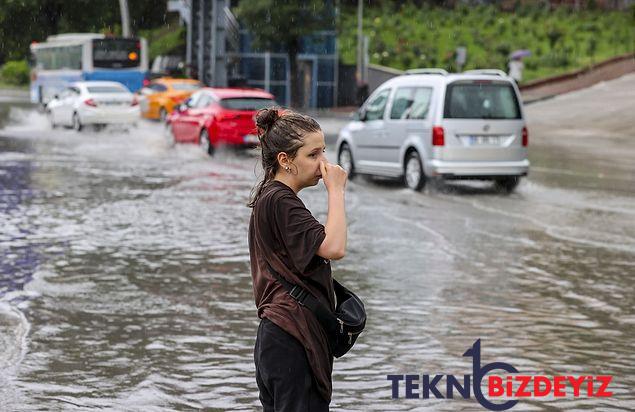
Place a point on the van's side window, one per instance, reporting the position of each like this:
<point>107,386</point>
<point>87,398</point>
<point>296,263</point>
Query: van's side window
<point>376,106</point>
<point>411,103</point>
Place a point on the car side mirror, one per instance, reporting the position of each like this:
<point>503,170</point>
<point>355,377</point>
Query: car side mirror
<point>181,107</point>
<point>361,115</point>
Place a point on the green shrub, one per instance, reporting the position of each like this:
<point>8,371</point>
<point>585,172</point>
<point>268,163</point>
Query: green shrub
<point>15,72</point>
<point>166,40</point>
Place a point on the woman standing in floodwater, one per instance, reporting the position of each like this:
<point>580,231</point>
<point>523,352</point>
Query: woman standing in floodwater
<point>293,362</point>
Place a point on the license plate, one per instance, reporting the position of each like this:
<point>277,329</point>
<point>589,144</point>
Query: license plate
<point>250,138</point>
<point>482,140</point>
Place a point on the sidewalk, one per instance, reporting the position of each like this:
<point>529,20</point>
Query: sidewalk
<point>14,96</point>
<point>608,70</point>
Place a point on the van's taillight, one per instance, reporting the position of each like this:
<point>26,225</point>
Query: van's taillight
<point>438,137</point>
<point>525,136</point>
<point>134,101</point>
<point>90,102</point>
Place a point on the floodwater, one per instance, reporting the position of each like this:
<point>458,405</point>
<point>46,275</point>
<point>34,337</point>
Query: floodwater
<point>125,284</point>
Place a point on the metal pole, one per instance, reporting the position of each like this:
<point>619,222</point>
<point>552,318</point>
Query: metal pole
<point>360,40</point>
<point>125,18</point>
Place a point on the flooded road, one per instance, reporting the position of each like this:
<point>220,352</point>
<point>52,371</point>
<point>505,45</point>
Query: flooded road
<point>125,285</point>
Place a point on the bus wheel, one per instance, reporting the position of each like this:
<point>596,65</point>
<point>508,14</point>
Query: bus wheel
<point>77,124</point>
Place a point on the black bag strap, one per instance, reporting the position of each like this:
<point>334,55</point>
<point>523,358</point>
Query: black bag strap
<point>305,298</point>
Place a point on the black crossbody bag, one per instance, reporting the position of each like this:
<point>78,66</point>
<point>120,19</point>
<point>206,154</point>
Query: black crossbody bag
<point>343,326</point>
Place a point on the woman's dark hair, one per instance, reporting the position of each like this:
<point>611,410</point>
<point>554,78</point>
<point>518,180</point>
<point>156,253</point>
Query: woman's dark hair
<point>279,131</point>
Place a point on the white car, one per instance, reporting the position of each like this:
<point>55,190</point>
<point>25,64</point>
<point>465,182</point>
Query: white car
<point>432,124</point>
<point>93,103</point>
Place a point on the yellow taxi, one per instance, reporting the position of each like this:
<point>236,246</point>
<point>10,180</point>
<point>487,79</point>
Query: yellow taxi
<point>162,95</point>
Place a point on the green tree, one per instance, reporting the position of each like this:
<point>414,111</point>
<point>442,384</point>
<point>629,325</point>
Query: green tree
<point>275,23</point>
<point>25,21</point>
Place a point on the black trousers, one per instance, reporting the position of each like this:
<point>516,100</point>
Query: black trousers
<point>283,373</point>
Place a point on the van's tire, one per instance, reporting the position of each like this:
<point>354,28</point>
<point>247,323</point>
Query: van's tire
<point>414,176</point>
<point>345,159</point>
<point>77,124</point>
<point>507,184</point>
<point>204,143</point>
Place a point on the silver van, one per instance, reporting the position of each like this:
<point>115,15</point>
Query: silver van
<point>431,124</point>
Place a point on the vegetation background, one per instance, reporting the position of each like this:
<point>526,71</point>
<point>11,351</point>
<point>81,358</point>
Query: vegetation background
<point>402,33</point>
<point>405,35</point>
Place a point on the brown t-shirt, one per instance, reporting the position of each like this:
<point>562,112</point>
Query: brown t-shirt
<point>283,232</point>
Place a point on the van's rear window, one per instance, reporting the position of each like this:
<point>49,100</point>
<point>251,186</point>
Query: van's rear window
<point>246,103</point>
<point>475,100</point>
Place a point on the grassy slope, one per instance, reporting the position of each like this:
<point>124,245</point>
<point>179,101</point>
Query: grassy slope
<point>560,40</point>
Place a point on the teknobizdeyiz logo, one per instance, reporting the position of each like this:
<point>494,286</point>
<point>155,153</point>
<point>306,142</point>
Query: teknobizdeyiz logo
<point>528,386</point>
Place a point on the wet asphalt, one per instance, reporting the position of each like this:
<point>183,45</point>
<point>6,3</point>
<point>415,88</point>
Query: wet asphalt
<point>125,284</point>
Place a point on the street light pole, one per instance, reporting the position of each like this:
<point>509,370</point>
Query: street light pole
<point>125,18</point>
<point>360,41</point>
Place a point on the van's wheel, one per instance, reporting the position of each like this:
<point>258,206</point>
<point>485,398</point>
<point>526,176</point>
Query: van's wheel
<point>77,124</point>
<point>507,184</point>
<point>163,115</point>
<point>204,142</point>
<point>414,175</point>
<point>345,159</point>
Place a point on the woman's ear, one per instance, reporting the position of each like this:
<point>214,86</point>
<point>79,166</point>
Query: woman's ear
<point>283,160</point>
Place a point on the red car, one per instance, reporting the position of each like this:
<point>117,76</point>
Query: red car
<point>212,117</point>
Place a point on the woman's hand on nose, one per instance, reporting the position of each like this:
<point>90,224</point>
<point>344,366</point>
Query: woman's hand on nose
<point>333,175</point>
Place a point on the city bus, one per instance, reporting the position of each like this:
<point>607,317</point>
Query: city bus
<point>66,58</point>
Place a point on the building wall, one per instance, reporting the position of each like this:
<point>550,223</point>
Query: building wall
<point>270,70</point>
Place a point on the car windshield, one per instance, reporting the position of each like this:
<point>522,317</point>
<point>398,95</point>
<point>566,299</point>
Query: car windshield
<point>106,89</point>
<point>186,86</point>
<point>247,103</point>
<point>481,100</point>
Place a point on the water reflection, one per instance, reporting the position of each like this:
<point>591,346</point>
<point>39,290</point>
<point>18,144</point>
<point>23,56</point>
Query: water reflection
<point>18,256</point>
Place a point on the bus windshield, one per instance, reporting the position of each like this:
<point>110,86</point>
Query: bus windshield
<point>116,53</point>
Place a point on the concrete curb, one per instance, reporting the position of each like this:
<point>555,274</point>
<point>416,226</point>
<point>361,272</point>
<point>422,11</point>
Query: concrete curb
<point>15,95</point>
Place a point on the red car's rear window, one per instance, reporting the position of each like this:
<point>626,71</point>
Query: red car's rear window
<point>247,103</point>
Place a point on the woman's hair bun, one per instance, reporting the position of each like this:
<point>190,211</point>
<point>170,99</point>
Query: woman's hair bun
<point>265,119</point>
